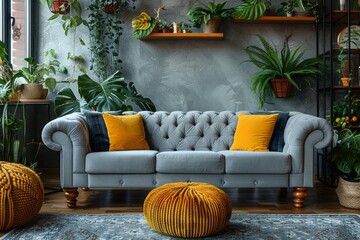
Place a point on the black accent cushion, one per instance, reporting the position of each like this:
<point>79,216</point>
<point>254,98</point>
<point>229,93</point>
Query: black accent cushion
<point>99,139</point>
<point>277,139</point>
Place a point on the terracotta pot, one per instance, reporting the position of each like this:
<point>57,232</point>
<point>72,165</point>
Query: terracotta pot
<point>345,81</point>
<point>282,87</point>
<point>60,6</point>
<point>31,91</point>
<point>110,8</point>
<point>348,194</point>
<point>212,26</point>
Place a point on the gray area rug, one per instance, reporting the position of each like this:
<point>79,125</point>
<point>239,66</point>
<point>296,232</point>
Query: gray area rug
<point>241,226</point>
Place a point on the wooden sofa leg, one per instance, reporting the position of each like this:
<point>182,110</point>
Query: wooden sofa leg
<point>299,196</point>
<point>71,194</point>
<point>85,189</point>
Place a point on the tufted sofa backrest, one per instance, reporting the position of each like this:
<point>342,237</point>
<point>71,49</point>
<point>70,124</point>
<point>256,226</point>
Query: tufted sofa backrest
<point>194,130</point>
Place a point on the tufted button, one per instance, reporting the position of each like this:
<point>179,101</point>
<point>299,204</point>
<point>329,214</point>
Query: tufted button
<point>121,181</point>
<point>154,182</point>
<point>255,182</point>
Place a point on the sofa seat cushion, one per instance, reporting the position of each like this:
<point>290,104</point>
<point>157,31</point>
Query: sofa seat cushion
<point>257,162</point>
<point>207,162</point>
<point>139,161</point>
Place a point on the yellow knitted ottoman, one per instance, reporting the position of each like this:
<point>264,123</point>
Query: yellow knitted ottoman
<point>21,195</point>
<point>187,209</point>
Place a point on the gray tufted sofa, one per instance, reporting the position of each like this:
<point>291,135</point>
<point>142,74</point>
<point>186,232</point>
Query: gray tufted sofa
<point>187,146</point>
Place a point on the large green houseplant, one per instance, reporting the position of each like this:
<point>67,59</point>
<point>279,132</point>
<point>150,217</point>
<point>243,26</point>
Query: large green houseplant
<point>112,94</point>
<point>209,15</point>
<point>279,70</point>
<point>346,156</point>
<point>12,118</point>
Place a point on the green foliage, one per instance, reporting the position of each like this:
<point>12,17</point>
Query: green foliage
<point>346,112</point>
<point>105,34</point>
<point>12,145</point>
<point>251,9</point>
<point>138,33</point>
<point>307,5</point>
<point>198,14</point>
<point>287,63</point>
<point>39,73</point>
<point>345,154</point>
<point>112,94</point>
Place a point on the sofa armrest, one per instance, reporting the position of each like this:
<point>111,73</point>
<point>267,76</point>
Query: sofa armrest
<point>69,135</point>
<point>303,135</point>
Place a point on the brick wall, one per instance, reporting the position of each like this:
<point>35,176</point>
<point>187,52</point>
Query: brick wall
<point>19,47</point>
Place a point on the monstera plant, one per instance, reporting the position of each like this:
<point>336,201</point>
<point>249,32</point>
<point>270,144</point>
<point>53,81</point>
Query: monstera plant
<point>143,25</point>
<point>251,9</point>
<point>112,94</point>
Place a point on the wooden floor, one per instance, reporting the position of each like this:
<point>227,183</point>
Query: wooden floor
<point>321,199</point>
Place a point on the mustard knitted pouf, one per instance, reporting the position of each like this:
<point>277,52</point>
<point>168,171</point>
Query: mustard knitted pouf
<point>21,195</point>
<point>187,210</point>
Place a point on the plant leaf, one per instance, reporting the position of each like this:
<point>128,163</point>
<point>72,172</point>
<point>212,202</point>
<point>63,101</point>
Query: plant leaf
<point>66,102</point>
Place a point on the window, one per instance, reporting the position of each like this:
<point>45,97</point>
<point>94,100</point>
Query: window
<point>14,25</point>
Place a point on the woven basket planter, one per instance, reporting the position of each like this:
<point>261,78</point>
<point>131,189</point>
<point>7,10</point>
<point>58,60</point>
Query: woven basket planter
<point>348,193</point>
<point>187,210</point>
<point>21,195</point>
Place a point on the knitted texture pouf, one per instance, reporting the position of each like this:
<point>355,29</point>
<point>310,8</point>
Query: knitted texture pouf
<point>187,210</point>
<point>21,195</point>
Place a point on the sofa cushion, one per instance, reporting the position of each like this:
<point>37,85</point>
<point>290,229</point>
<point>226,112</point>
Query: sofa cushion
<point>257,162</point>
<point>277,138</point>
<point>140,161</point>
<point>253,132</point>
<point>99,139</point>
<point>206,162</point>
<point>126,132</point>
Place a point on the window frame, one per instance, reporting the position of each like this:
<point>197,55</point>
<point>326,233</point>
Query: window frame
<point>6,27</point>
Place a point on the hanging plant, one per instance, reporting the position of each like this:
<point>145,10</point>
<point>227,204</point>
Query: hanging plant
<point>105,32</point>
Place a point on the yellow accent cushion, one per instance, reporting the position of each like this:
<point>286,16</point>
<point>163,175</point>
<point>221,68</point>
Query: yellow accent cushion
<point>187,209</point>
<point>125,132</point>
<point>253,132</point>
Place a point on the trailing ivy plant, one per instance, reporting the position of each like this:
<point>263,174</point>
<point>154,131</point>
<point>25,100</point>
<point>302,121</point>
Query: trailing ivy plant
<point>105,32</point>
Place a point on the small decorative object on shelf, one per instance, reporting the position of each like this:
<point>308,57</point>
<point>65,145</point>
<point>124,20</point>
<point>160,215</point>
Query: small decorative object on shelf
<point>342,4</point>
<point>176,27</point>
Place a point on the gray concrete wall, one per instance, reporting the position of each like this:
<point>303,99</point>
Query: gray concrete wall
<point>191,74</point>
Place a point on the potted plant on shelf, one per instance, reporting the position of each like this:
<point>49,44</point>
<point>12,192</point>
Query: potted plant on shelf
<point>287,9</point>
<point>306,8</point>
<point>209,16</point>
<point>164,26</point>
<point>112,94</point>
<point>35,76</point>
<point>251,9</point>
<point>279,70</point>
<point>345,154</point>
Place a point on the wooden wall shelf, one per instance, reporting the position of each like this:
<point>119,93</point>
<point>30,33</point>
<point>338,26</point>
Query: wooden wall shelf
<point>278,19</point>
<point>154,36</point>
